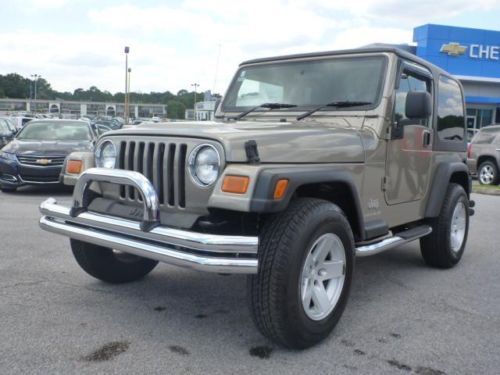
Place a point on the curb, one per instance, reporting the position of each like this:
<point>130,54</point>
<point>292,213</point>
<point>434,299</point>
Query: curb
<point>485,190</point>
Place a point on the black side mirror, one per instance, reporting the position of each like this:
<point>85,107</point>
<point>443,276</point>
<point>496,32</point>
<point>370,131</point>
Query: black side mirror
<point>418,105</point>
<point>216,106</point>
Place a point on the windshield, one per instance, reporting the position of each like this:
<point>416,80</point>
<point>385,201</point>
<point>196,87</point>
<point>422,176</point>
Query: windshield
<point>308,83</point>
<point>9,122</point>
<point>4,128</point>
<point>55,131</point>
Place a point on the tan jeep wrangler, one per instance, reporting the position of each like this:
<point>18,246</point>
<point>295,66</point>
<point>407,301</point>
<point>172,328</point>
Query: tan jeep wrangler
<point>313,160</point>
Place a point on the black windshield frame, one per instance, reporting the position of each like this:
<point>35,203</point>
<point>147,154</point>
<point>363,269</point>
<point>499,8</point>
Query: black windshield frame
<point>303,108</point>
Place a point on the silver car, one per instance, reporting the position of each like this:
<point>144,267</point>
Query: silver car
<point>483,156</point>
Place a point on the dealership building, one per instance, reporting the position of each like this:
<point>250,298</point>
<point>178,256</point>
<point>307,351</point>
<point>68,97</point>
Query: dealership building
<point>472,56</point>
<point>74,109</point>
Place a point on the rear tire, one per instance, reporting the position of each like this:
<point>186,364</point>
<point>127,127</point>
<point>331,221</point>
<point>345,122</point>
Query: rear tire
<point>305,253</point>
<point>107,265</point>
<point>444,247</point>
<point>488,173</point>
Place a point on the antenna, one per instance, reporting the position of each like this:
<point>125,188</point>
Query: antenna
<point>219,47</point>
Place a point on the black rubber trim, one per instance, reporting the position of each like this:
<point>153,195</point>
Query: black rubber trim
<point>413,232</point>
<point>375,228</point>
<point>369,49</point>
<point>441,179</point>
<point>75,211</point>
<point>147,226</point>
<point>264,202</point>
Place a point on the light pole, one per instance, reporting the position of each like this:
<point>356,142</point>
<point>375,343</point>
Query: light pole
<point>35,79</point>
<point>196,85</point>
<point>127,50</point>
<point>128,90</point>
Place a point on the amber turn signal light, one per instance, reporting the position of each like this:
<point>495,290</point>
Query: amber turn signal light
<point>235,184</point>
<point>280,189</point>
<point>74,166</point>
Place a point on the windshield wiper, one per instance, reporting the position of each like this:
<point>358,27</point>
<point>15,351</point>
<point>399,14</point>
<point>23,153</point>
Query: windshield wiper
<point>264,105</point>
<point>339,104</point>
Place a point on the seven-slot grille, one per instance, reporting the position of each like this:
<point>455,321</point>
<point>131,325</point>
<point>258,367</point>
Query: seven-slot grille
<point>163,163</point>
<point>48,161</point>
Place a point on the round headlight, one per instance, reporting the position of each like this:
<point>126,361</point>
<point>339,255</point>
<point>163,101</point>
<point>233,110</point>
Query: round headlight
<point>204,165</point>
<point>106,155</point>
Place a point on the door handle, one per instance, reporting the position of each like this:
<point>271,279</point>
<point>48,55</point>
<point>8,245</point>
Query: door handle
<point>426,138</point>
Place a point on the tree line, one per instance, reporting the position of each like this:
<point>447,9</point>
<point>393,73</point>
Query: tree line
<point>15,86</point>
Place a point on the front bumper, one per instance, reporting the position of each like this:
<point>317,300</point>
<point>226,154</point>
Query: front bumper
<point>69,179</point>
<point>15,174</point>
<point>201,251</point>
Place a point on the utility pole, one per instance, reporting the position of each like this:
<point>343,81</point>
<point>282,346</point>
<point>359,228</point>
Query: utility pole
<point>35,79</point>
<point>196,85</point>
<point>127,50</point>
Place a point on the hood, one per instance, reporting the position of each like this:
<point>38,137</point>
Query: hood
<point>46,148</point>
<point>277,142</point>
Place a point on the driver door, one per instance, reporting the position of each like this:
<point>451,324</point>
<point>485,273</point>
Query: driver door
<point>409,152</point>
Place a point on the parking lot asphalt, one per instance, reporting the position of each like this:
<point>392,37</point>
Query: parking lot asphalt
<point>402,317</point>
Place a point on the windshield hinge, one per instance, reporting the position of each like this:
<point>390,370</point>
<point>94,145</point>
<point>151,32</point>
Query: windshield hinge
<point>252,152</point>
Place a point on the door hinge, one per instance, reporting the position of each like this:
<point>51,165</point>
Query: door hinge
<point>384,183</point>
<point>388,132</point>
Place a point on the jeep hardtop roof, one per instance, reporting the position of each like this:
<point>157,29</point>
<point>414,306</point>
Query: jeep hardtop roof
<point>436,71</point>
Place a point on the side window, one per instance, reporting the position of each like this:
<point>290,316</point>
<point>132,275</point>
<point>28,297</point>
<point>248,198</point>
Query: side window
<point>451,122</point>
<point>487,136</point>
<point>408,83</point>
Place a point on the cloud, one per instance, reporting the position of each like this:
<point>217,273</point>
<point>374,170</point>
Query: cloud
<point>398,12</point>
<point>88,59</point>
<point>364,35</point>
<point>42,4</point>
<point>82,60</point>
<point>264,23</point>
<point>176,44</point>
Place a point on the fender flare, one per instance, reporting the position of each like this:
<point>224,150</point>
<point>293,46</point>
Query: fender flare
<point>263,202</point>
<point>441,179</point>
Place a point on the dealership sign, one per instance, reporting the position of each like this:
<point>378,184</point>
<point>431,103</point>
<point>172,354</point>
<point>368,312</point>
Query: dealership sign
<point>475,51</point>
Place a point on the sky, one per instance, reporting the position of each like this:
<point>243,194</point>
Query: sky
<point>175,43</point>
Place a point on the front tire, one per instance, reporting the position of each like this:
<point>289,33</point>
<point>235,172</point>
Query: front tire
<point>306,263</point>
<point>444,247</point>
<point>488,173</point>
<point>108,265</point>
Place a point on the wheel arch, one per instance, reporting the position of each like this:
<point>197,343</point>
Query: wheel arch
<point>337,187</point>
<point>445,174</point>
<point>484,158</point>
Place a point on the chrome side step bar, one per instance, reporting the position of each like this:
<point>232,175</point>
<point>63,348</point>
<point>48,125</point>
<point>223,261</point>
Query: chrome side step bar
<point>398,239</point>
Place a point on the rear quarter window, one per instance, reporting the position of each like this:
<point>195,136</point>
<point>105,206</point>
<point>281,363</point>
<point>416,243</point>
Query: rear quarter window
<point>451,119</point>
<point>487,136</point>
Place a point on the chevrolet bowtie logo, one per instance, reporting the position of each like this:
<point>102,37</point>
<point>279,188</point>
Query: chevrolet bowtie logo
<point>43,161</point>
<point>453,49</point>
